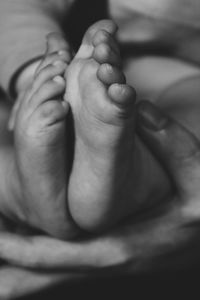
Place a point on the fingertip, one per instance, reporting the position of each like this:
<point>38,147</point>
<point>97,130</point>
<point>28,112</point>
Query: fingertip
<point>150,116</point>
<point>169,140</point>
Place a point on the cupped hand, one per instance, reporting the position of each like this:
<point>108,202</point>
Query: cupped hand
<point>159,238</point>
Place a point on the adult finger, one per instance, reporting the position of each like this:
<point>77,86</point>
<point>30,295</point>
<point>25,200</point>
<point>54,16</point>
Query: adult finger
<point>176,147</point>
<point>44,252</point>
<point>17,282</point>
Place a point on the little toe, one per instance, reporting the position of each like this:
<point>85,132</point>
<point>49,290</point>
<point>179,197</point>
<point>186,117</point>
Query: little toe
<point>103,53</point>
<point>109,74</point>
<point>103,36</point>
<point>122,95</point>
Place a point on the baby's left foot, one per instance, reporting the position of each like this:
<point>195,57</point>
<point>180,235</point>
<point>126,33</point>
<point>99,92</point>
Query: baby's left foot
<point>41,150</point>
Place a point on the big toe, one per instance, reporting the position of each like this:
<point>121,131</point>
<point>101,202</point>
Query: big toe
<point>86,49</point>
<point>106,25</point>
<point>102,36</point>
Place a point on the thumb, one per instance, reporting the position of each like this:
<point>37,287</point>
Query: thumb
<point>176,147</point>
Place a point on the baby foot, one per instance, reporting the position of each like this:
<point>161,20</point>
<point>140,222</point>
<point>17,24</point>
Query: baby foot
<point>41,149</point>
<point>103,111</point>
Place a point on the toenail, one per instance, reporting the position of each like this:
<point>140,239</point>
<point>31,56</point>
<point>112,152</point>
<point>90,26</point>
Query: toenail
<point>59,80</point>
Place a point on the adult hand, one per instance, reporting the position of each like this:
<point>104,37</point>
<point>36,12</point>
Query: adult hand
<point>158,239</point>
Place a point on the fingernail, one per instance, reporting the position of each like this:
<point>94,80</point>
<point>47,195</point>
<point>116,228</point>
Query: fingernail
<point>151,117</point>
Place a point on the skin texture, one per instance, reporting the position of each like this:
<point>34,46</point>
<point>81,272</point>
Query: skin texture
<point>110,164</point>
<point>172,220</point>
<point>143,244</point>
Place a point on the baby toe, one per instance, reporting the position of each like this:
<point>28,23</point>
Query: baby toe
<point>103,53</point>
<point>109,74</point>
<point>122,94</point>
<point>103,36</point>
<point>106,25</point>
<point>86,49</point>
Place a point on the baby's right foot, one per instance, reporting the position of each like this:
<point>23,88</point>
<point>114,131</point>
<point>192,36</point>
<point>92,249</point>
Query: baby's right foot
<point>110,169</point>
<point>105,174</point>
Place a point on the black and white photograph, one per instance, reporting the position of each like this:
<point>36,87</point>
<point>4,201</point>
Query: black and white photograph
<point>99,149</point>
